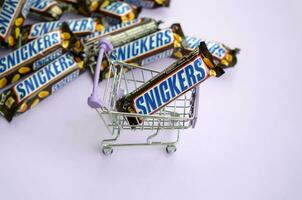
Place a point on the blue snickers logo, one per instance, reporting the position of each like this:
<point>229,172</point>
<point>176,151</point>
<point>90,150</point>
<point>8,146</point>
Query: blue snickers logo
<point>47,59</point>
<point>42,5</point>
<point>7,13</point>
<point>76,26</point>
<point>53,71</point>
<point>171,87</point>
<point>143,45</point>
<point>29,52</point>
<point>117,8</point>
<point>215,48</point>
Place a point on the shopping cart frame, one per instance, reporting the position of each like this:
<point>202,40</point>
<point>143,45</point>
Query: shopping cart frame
<point>178,115</point>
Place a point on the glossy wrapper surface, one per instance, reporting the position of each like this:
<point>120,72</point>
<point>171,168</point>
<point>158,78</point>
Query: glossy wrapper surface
<point>27,93</point>
<point>171,83</point>
<point>26,59</point>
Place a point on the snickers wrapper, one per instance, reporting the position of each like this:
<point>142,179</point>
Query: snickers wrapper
<point>221,53</point>
<point>27,93</point>
<point>151,48</point>
<point>49,10</point>
<point>113,12</point>
<point>79,27</point>
<point>28,58</point>
<point>12,16</point>
<point>149,4</point>
<point>174,81</point>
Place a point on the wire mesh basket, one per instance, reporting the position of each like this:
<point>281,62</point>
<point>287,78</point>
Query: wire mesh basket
<point>178,115</point>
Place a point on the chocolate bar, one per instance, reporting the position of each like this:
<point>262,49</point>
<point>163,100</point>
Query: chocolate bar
<point>125,32</point>
<point>113,12</point>
<point>79,27</point>
<point>12,17</point>
<point>150,4</point>
<point>221,53</point>
<point>148,49</point>
<point>21,62</point>
<point>49,10</point>
<point>27,93</point>
<point>170,84</point>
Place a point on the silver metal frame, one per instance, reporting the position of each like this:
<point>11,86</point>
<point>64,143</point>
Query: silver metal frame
<point>178,115</point>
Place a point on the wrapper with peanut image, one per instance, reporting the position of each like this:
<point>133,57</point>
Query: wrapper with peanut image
<point>12,16</point>
<point>27,93</point>
<point>112,12</point>
<point>221,53</point>
<point>79,27</point>
<point>26,59</point>
<point>48,10</point>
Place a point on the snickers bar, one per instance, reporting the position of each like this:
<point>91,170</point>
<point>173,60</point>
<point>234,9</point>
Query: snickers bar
<point>22,61</point>
<point>148,49</point>
<point>89,6</point>
<point>79,27</point>
<point>49,10</point>
<point>145,27</point>
<point>170,84</point>
<point>35,88</point>
<point>12,17</point>
<point>123,33</point>
<point>222,54</point>
<point>113,12</point>
<point>150,4</point>
<point>69,5</point>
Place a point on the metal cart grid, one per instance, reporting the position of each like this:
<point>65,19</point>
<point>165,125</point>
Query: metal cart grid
<point>178,115</point>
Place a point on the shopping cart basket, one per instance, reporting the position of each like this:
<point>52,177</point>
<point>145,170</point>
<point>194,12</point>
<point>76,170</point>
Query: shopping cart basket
<point>178,115</point>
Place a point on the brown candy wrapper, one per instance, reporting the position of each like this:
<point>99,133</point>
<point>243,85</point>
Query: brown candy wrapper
<point>69,5</point>
<point>27,93</point>
<point>171,83</point>
<point>12,17</point>
<point>89,6</point>
<point>26,59</point>
<point>79,27</point>
<point>222,54</point>
<point>151,48</point>
<point>123,32</point>
<point>150,4</point>
<point>113,12</point>
<point>49,10</point>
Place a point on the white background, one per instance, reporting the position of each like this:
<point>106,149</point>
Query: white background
<point>247,143</point>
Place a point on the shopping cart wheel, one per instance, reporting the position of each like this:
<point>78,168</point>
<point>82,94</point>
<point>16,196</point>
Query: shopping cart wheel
<point>171,148</point>
<point>107,150</point>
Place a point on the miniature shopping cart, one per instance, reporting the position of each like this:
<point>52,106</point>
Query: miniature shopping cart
<point>178,115</point>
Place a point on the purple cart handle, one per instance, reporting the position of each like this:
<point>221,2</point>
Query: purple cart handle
<point>93,100</point>
<point>196,106</point>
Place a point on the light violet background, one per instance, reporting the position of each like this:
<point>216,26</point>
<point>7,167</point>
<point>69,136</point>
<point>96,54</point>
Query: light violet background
<point>247,143</point>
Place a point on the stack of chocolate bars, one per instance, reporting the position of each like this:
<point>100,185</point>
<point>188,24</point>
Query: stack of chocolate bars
<point>46,56</point>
